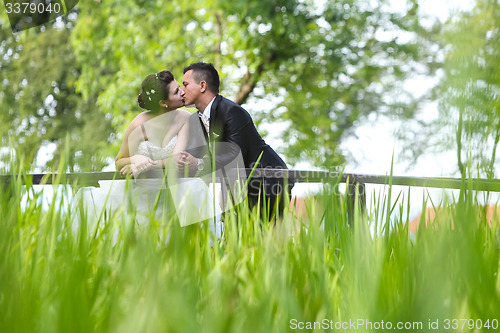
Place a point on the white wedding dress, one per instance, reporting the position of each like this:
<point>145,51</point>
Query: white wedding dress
<point>194,201</point>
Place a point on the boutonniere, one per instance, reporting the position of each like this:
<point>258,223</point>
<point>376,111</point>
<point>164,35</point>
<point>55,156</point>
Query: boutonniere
<point>215,135</point>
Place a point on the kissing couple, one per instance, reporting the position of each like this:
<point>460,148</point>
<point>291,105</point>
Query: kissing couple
<point>166,142</point>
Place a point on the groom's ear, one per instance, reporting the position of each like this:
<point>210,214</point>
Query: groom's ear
<point>203,86</point>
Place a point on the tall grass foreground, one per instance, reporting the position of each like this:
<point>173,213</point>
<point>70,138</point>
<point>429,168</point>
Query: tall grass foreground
<point>319,274</point>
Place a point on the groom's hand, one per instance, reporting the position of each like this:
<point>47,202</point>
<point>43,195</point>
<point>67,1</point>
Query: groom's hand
<point>186,160</point>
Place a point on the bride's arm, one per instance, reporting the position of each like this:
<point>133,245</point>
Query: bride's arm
<point>182,139</point>
<point>123,161</point>
<point>123,157</point>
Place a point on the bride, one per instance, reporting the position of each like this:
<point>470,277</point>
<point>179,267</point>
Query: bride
<point>159,132</point>
<point>150,144</point>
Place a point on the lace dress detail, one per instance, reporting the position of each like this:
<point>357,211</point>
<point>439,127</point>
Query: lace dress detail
<point>154,152</point>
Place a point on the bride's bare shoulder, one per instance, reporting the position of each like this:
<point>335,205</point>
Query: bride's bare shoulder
<point>182,115</point>
<point>140,119</point>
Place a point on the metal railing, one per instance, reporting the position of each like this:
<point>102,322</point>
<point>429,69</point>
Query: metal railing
<point>355,183</point>
<point>301,176</point>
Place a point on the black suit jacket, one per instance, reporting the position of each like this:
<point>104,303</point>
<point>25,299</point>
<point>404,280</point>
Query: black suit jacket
<point>232,128</point>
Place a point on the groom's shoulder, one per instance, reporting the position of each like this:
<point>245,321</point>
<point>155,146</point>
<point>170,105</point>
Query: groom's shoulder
<point>193,116</point>
<point>228,103</point>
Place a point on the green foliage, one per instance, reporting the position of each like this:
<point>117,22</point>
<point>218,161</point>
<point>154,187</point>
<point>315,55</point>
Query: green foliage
<point>468,93</point>
<point>58,278</point>
<point>352,63</point>
<point>472,84</point>
<point>327,67</point>
<point>39,102</point>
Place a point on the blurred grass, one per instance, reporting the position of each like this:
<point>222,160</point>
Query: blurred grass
<point>116,278</point>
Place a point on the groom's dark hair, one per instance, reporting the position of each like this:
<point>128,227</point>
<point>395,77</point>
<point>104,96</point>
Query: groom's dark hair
<point>205,72</point>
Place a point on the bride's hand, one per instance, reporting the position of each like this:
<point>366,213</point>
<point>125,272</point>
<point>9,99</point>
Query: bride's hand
<point>139,164</point>
<point>133,170</point>
<point>127,170</point>
<point>142,162</point>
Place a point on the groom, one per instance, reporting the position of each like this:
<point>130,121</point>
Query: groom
<point>227,123</point>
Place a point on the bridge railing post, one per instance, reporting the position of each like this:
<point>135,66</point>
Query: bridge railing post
<point>355,191</point>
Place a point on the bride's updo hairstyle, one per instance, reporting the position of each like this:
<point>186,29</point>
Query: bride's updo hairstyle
<point>154,89</point>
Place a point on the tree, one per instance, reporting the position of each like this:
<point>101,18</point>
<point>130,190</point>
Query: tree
<point>469,91</point>
<point>472,86</point>
<point>354,67</point>
<point>39,103</point>
<point>326,67</point>
<point>329,66</point>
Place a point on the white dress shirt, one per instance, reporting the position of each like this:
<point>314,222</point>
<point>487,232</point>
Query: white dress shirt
<point>205,116</point>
